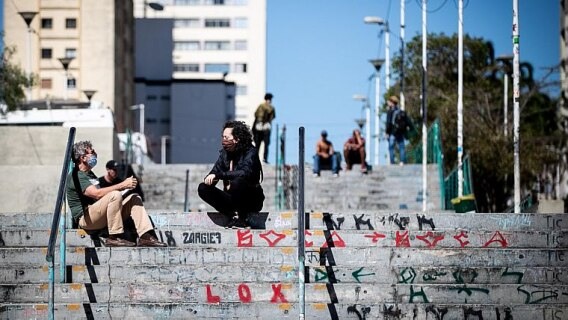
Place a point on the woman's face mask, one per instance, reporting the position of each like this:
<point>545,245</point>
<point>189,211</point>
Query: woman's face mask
<point>229,145</point>
<point>228,142</point>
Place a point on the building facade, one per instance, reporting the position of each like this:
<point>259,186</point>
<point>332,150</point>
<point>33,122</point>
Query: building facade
<point>218,39</point>
<point>73,46</point>
<point>182,118</point>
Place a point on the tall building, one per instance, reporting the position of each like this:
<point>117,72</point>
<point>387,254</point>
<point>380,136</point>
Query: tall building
<point>73,46</point>
<point>218,39</point>
<point>182,118</point>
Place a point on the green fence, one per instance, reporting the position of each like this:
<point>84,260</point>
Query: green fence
<point>451,184</point>
<point>435,155</point>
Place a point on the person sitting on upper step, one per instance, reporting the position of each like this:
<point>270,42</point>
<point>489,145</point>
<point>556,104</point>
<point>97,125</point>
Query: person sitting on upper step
<point>239,167</point>
<point>95,208</point>
<point>115,174</point>
<point>326,156</point>
<point>354,151</point>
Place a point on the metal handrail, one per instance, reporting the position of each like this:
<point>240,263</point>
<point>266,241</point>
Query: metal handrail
<point>55,223</point>
<point>434,154</point>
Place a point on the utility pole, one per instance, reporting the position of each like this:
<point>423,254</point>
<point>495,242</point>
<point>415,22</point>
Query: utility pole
<point>516,98</point>
<point>424,110</point>
<point>460,98</point>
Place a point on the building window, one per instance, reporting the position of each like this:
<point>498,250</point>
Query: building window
<point>217,45</point>
<point>151,97</point>
<point>71,83</point>
<point>71,23</point>
<point>187,2</point>
<point>187,23</point>
<point>240,68</point>
<point>241,90</point>
<point>187,45</point>
<point>214,2</point>
<point>217,67</point>
<point>46,23</point>
<point>240,44</point>
<point>165,98</point>
<point>241,23</point>
<point>217,23</point>
<point>46,53</point>
<point>186,67</point>
<point>46,83</point>
<point>70,53</point>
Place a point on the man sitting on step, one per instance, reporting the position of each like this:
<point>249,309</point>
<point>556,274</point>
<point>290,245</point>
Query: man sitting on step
<point>95,208</point>
<point>326,157</point>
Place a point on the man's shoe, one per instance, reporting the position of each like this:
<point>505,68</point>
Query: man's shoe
<point>118,242</point>
<point>316,175</point>
<point>335,175</point>
<point>150,241</point>
<point>237,223</point>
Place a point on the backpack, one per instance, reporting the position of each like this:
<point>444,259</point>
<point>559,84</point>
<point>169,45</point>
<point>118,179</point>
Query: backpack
<point>399,122</point>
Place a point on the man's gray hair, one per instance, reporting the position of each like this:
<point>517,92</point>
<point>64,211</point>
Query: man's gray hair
<point>80,149</point>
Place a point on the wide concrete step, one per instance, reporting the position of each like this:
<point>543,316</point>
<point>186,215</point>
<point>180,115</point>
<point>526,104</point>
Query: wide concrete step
<point>341,220</point>
<point>313,311</point>
<point>188,237</point>
<point>352,256</point>
<point>459,293</point>
<point>212,273</point>
<point>209,273</point>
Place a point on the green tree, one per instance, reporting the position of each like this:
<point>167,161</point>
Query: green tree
<point>490,150</point>
<point>13,80</point>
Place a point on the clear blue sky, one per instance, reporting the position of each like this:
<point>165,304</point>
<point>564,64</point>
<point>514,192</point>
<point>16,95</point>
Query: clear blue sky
<point>318,53</point>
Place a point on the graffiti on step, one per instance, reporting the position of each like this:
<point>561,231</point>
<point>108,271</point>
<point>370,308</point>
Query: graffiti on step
<point>202,237</point>
<point>246,295</point>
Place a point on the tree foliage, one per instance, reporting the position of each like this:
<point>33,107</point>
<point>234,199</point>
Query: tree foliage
<point>491,151</point>
<point>13,81</point>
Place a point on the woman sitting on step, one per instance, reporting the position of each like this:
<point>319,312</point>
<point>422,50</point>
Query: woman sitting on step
<point>238,166</point>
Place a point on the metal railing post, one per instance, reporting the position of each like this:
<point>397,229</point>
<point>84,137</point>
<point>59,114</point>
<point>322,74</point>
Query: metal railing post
<point>301,228</point>
<point>186,195</point>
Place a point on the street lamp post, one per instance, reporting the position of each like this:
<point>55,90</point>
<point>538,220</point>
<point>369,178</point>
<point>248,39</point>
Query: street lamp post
<point>381,22</point>
<point>367,108</point>
<point>28,17</point>
<point>516,110</point>
<point>506,60</point>
<point>89,94</point>
<point>424,109</point>
<point>65,62</point>
<point>402,44</point>
<point>460,98</point>
<point>154,5</point>
<point>377,63</point>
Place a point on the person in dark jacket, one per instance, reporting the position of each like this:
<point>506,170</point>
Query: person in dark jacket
<point>239,167</point>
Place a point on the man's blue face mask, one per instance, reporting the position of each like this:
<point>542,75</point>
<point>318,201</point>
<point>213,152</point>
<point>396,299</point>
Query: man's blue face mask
<point>92,162</point>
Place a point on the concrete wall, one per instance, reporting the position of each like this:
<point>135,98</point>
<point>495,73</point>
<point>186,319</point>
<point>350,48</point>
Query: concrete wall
<point>31,161</point>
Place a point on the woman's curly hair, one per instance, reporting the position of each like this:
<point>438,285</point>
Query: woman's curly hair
<point>241,132</point>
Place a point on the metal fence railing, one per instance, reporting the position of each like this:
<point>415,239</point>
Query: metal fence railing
<point>435,154</point>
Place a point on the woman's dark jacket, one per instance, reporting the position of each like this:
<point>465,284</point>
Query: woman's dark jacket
<point>246,165</point>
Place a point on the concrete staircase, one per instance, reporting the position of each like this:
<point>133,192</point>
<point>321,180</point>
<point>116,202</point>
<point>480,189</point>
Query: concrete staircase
<point>373,265</point>
<point>385,188</point>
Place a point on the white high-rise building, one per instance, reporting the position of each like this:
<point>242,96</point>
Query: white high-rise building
<point>215,39</point>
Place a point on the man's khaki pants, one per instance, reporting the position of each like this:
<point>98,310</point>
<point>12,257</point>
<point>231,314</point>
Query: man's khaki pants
<point>111,210</point>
